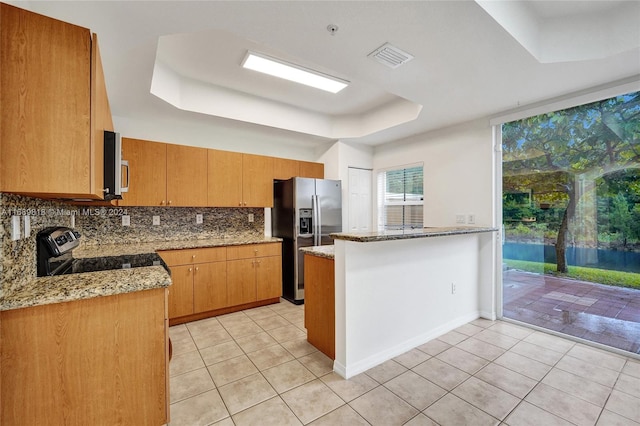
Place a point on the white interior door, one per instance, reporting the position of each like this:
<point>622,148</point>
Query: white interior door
<point>360,214</point>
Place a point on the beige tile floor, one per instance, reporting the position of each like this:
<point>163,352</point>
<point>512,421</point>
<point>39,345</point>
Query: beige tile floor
<point>256,368</point>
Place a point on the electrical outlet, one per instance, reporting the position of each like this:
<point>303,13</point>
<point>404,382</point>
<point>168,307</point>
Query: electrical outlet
<point>27,226</point>
<point>157,263</point>
<point>250,217</point>
<point>471,218</point>
<point>15,228</point>
<point>453,288</point>
<point>126,220</point>
<point>198,219</point>
<point>156,220</point>
<point>126,266</point>
<point>459,218</point>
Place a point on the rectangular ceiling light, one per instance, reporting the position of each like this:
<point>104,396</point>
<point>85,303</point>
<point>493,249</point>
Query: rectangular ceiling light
<point>291,72</point>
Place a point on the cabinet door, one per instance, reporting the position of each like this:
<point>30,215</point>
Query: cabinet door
<point>224,178</point>
<point>269,277</point>
<point>209,286</point>
<point>181,291</point>
<point>311,170</point>
<point>147,173</point>
<point>257,181</point>
<point>101,119</point>
<point>99,361</point>
<point>186,176</point>
<point>45,76</point>
<point>284,168</point>
<point>241,281</point>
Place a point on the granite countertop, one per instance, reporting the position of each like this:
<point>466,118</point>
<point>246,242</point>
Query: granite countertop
<point>367,237</point>
<point>66,288</point>
<point>131,249</point>
<point>85,285</point>
<point>321,251</point>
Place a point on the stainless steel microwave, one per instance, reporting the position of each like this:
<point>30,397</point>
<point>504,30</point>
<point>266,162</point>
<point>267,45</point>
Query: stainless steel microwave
<point>114,166</point>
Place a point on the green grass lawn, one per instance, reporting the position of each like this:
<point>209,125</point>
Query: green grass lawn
<point>594,275</point>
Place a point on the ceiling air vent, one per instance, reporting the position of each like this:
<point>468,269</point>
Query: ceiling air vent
<point>390,56</point>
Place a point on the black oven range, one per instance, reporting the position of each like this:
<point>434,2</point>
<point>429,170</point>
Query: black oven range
<point>54,250</point>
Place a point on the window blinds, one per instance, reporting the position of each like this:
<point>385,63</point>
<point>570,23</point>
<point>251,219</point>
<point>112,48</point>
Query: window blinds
<point>400,198</point>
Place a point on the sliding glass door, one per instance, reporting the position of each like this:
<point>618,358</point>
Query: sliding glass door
<point>571,218</point>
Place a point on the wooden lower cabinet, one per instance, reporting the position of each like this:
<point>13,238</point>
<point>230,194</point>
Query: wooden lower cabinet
<point>319,303</point>
<point>181,291</point>
<point>242,281</point>
<point>210,287</point>
<point>254,279</point>
<point>269,277</point>
<point>99,361</point>
<point>213,281</point>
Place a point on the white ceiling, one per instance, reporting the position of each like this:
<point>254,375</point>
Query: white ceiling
<point>472,60</point>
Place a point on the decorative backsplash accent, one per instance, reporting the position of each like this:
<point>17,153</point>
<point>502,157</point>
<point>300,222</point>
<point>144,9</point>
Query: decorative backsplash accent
<point>103,225</point>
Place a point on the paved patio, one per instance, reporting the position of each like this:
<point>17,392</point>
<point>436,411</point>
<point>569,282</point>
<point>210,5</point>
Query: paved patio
<point>596,312</point>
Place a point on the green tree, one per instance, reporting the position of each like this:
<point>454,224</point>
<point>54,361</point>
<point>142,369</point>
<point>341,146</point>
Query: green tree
<point>621,217</point>
<point>623,183</point>
<point>554,148</point>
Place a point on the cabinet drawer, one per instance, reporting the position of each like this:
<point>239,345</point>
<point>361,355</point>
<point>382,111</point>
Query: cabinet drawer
<point>192,256</point>
<point>253,250</point>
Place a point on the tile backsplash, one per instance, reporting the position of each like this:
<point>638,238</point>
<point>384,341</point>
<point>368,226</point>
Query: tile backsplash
<point>103,225</point>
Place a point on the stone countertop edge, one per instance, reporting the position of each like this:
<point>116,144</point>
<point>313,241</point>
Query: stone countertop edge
<point>67,288</point>
<point>369,237</point>
<point>327,252</point>
<point>72,287</point>
<point>130,249</point>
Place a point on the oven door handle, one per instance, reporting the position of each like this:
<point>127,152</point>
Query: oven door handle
<point>61,270</point>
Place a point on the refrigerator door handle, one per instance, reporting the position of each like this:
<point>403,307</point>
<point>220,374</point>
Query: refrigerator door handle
<point>319,222</point>
<point>314,218</point>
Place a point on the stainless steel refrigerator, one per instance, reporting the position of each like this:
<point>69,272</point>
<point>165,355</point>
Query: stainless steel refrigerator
<point>305,211</point>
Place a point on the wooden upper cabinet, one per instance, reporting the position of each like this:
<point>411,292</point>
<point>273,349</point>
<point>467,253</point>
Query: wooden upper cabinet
<point>101,119</point>
<point>239,180</point>
<point>257,181</point>
<point>224,178</point>
<point>45,79</point>
<point>147,173</point>
<point>311,170</point>
<point>186,176</point>
<point>283,168</point>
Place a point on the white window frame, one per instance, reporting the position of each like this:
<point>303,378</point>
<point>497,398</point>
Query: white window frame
<point>380,176</point>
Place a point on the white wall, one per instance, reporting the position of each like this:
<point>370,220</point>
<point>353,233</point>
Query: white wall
<point>392,296</point>
<point>458,179</point>
<point>458,171</point>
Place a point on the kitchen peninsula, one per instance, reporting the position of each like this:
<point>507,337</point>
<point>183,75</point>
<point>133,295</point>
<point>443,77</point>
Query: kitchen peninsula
<point>395,290</point>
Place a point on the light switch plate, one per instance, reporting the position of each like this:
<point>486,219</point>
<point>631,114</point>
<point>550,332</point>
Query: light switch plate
<point>250,217</point>
<point>15,228</point>
<point>459,218</point>
<point>126,220</point>
<point>198,219</point>
<point>156,220</point>
<point>27,226</point>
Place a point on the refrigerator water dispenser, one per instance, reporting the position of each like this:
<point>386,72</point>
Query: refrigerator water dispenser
<point>306,221</point>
